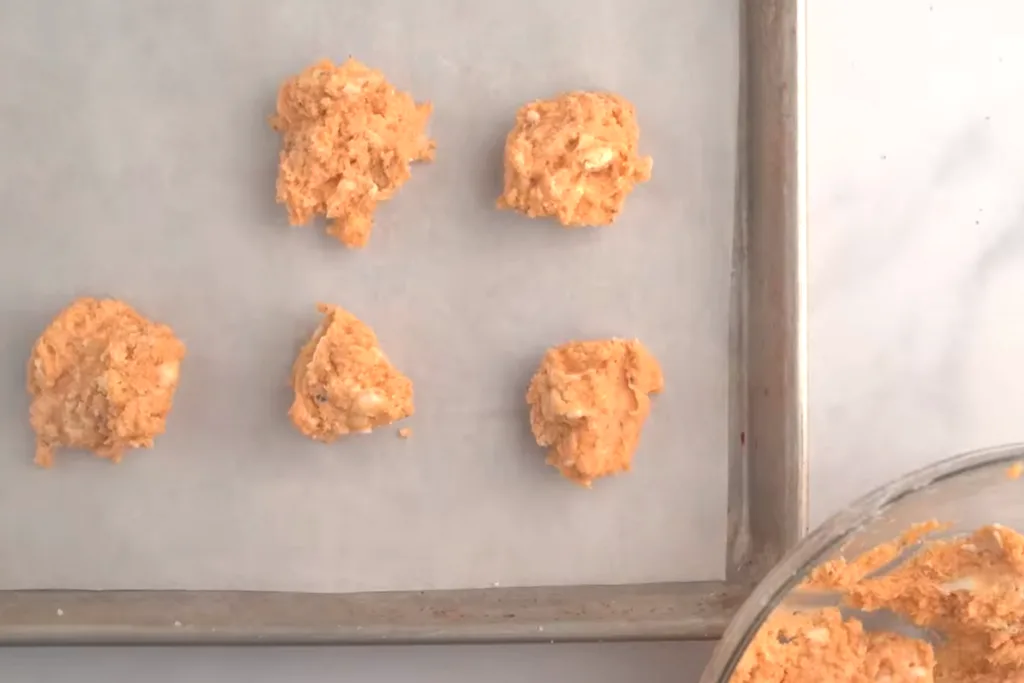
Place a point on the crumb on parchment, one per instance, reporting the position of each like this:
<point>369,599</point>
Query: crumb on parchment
<point>102,378</point>
<point>966,589</point>
<point>405,432</point>
<point>588,403</point>
<point>348,137</point>
<point>1015,470</point>
<point>574,158</point>
<point>344,383</point>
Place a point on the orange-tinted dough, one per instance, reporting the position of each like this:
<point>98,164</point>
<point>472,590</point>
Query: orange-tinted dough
<point>966,590</point>
<point>574,157</point>
<point>822,647</point>
<point>102,378</point>
<point>588,402</point>
<point>343,382</point>
<point>348,138</point>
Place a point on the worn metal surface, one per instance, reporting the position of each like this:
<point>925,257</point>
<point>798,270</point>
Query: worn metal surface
<point>768,499</point>
<point>647,612</point>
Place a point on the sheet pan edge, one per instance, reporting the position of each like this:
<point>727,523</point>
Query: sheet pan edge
<point>768,461</point>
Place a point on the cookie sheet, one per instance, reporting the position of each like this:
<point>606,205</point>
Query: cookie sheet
<point>137,163</point>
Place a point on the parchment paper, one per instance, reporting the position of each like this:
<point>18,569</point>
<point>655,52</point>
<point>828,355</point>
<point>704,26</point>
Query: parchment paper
<point>136,162</point>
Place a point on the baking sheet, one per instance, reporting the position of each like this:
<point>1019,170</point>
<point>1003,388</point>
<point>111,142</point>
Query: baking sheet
<point>137,164</point>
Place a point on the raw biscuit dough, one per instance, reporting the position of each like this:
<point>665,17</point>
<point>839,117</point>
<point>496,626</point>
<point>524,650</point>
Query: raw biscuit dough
<point>588,402</point>
<point>966,589</point>
<point>102,378</point>
<point>343,382</point>
<point>574,158</point>
<point>348,138</point>
<point>822,647</point>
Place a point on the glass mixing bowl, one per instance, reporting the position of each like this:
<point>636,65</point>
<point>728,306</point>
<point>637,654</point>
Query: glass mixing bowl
<point>967,492</point>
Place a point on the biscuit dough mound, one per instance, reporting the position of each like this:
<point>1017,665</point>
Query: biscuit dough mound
<point>348,138</point>
<point>574,158</point>
<point>344,383</point>
<point>588,402</point>
<point>102,378</point>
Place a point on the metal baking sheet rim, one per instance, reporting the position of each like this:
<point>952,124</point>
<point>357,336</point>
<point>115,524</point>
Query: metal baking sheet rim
<point>767,458</point>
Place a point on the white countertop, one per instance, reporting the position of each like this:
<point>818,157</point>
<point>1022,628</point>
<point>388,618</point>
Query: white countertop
<point>916,319</point>
<point>917,237</point>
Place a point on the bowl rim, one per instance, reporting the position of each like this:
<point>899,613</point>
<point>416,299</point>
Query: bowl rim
<point>831,535</point>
